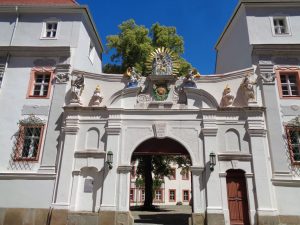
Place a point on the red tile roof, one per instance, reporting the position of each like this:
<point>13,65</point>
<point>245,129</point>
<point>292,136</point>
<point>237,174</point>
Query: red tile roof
<point>38,2</point>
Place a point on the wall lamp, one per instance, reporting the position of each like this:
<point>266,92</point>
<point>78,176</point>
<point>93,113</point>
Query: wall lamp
<point>110,159</point>
<point>212,161</point>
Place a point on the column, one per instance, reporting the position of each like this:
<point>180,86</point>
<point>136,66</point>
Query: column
<point>123,187</point>
<point>110,195</point>
<point>52,140</point>
<point>273,119</point>
<point>261,167</point>
<point>65,176</point>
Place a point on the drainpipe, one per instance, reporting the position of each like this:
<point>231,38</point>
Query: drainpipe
<point>10,43</point>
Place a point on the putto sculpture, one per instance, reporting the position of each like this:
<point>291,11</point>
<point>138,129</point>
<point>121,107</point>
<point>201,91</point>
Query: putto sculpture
<point>96,98</point>
<point>227,98</point>
<point>133,77</point>
<point>248,88</point>
<point>77,86</point>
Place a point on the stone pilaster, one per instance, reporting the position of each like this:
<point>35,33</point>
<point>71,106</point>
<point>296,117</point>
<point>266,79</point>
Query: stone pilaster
<point>123,187</point>
<point>110,195</point>
<point>266,211</point>
<point>64,181</point>
<point>213,186</point>
<point>273,118</point>
<point>53,132</point>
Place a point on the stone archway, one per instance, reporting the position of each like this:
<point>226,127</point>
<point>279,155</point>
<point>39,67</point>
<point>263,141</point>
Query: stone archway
<point>166,147</point>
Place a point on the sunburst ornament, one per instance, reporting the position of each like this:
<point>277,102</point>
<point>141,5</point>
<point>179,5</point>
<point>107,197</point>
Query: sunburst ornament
<point>162,61</point>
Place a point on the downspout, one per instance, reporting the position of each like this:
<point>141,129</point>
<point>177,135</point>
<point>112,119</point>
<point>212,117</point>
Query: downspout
<point>10,43</point>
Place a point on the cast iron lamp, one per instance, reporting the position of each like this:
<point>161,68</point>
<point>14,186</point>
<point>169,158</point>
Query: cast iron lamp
<point>109,159</point>
<point>212,161</point>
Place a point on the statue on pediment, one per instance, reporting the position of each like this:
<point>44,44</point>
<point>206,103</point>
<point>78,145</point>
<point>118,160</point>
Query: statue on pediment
<point>77,86</point>
<point>133,77</point>
<point>227,98</point>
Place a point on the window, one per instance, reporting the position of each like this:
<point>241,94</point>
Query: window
<point>92,51</point>
<point>50,30</point>
<point>158,195</point>
<point>186,195</point>
<point>40,84</point>
<point>280,26</point>
<point>185,174</point>
<point>293,136</point>
<point>131,195</point>
<point>172,195</point>
<point>289,84</point>
<point>29,139</point>
<point>173,174</point>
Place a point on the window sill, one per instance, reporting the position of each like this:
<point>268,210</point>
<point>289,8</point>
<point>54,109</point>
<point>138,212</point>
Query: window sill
<point>38,97</point>
<point>47,38</point>
<point>34,160</point>
<point>290,97</point>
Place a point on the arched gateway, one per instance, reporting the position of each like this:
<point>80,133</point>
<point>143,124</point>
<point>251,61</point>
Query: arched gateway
<point>130,113</point>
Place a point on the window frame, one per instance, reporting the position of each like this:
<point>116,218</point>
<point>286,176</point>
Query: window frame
<point>172,200</point>
<point>44,29</point>
<point>286,23</point>
<point>287,129</point>
<point>173,177</point>
<point>162,195</point>
<point>20,143</point>
<point>37,71</point>
<point>288,71</point>
<point>188,191</point>
<point>187,177</point>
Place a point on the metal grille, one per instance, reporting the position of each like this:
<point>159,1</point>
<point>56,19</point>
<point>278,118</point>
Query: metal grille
<point>28,142</point>
<point>294,143</point>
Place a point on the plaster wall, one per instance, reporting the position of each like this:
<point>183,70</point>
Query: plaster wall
<point>7,23</point>
<point>287,199</point>
<point>234,51</point>
<point>260,25</point>
<point>82,60</point>
<point>14,97</point>
<point>29,31</point>
<point>26,193</point>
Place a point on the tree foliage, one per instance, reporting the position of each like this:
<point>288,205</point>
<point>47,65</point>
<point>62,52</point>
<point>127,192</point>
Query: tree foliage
<point>133,44</point>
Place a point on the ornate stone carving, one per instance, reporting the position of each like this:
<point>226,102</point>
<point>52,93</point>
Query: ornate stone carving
<point>160,130</point>
<point>62,77</point>
<point>96,98</point>
<point>133,77</point>
<point>160,92</point>
<point>162,62</point>
<point>143,98</point>
<point>248,88</point>
<point>268,77</point>
<point>227,98</point>
<point>77,87</point>
<point>294,122</point>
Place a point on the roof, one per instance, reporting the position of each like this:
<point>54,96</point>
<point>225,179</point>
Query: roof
<point>38,2</point>
<point>241,2</point>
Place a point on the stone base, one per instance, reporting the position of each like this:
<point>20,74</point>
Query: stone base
<point>267,220</point>
<point>15,216</point>
<point>215,219</point>
<point>197,219</point>
<point>289,220</point>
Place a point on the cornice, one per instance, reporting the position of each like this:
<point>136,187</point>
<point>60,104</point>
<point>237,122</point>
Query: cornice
<point>234,156</point>
<point>286,182</point>
<point>35,51</point>
<point>27,176</point>
<point>124,168</point>
<point>90,154</point>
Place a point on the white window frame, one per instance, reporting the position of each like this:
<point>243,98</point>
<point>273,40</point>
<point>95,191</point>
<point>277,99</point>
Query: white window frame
<point>44,29</point>
<point>42,84</point>
<point>287,24</point>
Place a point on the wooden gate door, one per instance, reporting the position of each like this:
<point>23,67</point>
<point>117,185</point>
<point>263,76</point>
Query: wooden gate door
<point>237,197</point>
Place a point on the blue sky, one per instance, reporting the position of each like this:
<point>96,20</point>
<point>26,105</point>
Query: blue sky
<point>200,22</point>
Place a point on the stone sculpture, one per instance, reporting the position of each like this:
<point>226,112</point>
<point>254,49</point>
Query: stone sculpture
<point>96,98</point>
<point>133,77</point>
<point>248,88</point>
<point>227,99</point>
<point>77,87</point>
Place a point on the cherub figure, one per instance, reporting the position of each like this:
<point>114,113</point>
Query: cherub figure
<point>247,85</point>
<point>227,98</point>
<point>77,86</point>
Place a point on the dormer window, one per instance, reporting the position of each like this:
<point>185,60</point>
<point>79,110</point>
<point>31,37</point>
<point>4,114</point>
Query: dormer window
<point>280,26</point>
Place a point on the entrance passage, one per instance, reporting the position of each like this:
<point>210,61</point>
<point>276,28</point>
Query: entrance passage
<point>160,183</point>
<point>237,197</point>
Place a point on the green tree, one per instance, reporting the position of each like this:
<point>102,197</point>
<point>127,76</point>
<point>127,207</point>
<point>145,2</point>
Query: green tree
<point>132,45</point>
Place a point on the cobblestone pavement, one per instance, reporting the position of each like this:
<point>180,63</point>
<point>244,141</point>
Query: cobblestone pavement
<point>166,215</point>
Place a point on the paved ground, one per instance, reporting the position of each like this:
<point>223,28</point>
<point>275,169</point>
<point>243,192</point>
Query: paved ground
<point>166,215</point>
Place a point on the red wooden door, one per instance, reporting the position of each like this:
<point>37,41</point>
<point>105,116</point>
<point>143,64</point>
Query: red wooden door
<point>237,198</point>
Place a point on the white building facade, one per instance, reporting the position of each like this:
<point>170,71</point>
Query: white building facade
<point>68,144</point>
